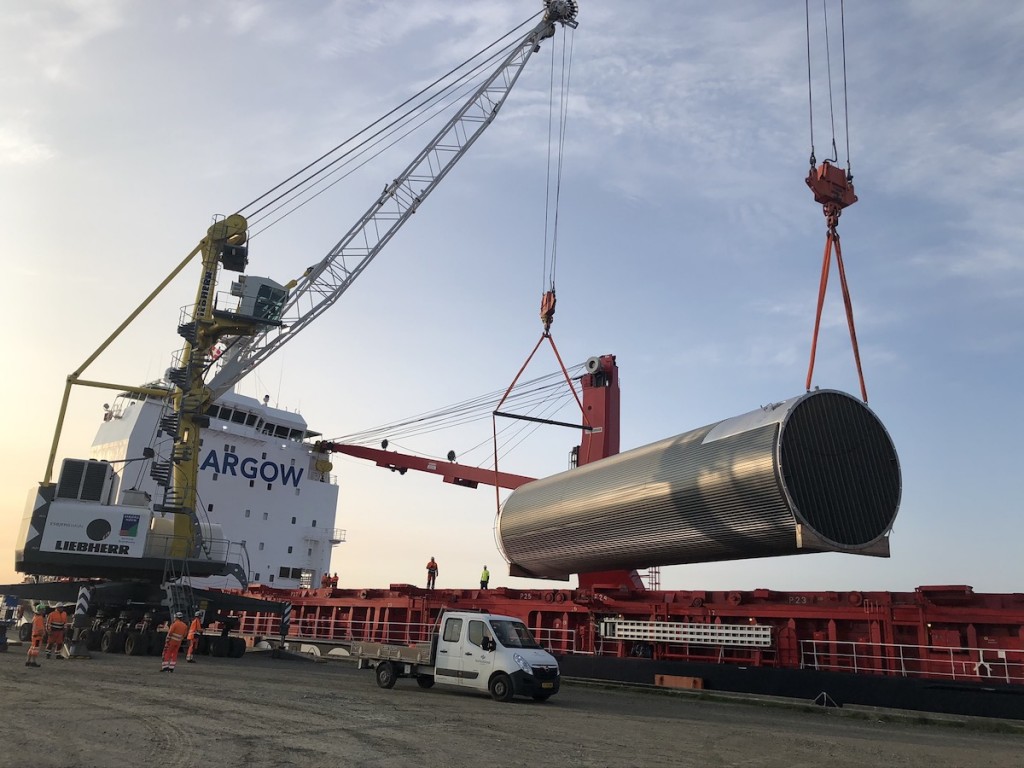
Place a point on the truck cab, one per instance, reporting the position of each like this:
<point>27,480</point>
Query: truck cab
<point>479,651</point>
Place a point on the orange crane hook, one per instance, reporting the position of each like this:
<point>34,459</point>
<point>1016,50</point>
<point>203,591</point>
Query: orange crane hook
<point>833,188</point>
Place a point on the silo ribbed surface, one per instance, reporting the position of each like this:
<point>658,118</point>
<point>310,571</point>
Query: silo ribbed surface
<point>814,473</point>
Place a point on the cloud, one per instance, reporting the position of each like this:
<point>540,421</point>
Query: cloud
<point>58,30</point>
<point>19,147</point>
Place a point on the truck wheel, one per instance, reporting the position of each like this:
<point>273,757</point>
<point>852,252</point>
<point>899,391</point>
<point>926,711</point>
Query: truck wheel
<point>25,632</point>
<point>501,687</point>
<point>236,648</point>
<point>386,675</point>
<point>135,644</point>
<point>425,681</point>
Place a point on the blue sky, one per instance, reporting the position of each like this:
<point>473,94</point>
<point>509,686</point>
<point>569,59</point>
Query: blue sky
<point>689,245</point>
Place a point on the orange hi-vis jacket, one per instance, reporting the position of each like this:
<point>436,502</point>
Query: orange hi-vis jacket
<point>56,621</point>
<point>195,628</point>
<point>176,632</point>
<point>38,626</point>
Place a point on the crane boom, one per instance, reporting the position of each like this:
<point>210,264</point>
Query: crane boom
<point>323,284</point>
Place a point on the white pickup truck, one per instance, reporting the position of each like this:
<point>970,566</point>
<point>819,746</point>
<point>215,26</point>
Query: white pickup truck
<point>480,651</point>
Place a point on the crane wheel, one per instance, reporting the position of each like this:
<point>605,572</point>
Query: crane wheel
<point>219,646</point>
<point>236,647</point>
<point>135,644</point>
<point>92,639</point>
<point>112,642</point>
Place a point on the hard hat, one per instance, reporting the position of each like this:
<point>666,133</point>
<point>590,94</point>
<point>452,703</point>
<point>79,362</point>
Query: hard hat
<point>40,607</point>
<point>178,615</point>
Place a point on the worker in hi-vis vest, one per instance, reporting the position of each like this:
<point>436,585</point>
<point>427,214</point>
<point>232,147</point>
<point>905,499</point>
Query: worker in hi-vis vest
<point>55,624</point>
<point>38,630</point>
<point>485,578</point>
<point>172,645</point>
<point>195,631</point>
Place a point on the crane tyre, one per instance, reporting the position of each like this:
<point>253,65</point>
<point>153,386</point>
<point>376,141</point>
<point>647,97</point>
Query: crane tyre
<point>501,687</point>
<point>219,646</point>
<point>112,642</point>
<point>135,644</point>
<point>92,639</point>
<point>425,681</point>
<point>386,674</point>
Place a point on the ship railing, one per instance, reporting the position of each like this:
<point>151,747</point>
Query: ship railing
<point>906,660</point>
<point>166,545</point>
<point>309,626</point>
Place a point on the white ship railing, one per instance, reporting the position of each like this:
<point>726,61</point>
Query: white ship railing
<point>312,628</point>
<point>165,545</point>
<point>903,660</point>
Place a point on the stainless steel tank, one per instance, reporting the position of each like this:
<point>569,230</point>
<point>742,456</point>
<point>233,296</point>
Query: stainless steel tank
<point>815,473</point>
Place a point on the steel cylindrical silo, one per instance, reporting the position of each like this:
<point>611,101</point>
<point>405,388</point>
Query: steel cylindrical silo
<point>814,473</point>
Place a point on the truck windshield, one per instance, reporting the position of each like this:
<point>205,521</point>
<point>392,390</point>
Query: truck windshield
<point>513,634</point>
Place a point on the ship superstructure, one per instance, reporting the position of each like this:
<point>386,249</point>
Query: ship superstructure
<point>260,480</point>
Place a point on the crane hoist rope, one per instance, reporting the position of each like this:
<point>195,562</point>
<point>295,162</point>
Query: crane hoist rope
<point>306,176</point>
<point>551,207</point>
<point>556,146</point>
<point>833,189</point>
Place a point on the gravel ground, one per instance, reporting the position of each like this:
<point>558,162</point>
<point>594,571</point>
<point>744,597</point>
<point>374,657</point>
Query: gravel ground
<point>258,711</point>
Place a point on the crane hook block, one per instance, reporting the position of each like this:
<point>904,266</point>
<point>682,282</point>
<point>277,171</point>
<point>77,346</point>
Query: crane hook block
<point>547,309</point>
<point>831,185</point>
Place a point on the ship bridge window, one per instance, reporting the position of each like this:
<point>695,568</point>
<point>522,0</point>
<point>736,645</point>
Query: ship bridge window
<point>225,414</point>
<point>280,431</point>
<point>250,420</point>
<point>296,434</point>
<point>212,411</point>
<point>238,417</point>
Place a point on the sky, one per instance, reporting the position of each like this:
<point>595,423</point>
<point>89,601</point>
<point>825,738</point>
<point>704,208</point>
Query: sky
<point>688,244</point>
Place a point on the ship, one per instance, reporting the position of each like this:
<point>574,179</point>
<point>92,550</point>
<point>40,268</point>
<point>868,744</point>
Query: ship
<point>259,481</point>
